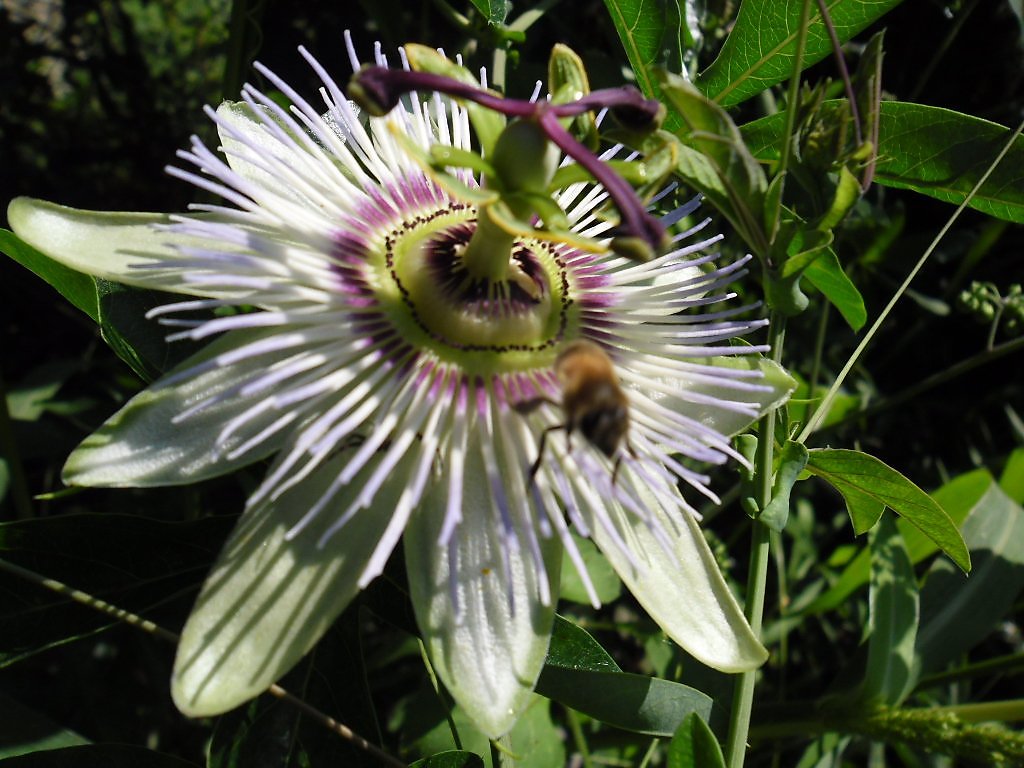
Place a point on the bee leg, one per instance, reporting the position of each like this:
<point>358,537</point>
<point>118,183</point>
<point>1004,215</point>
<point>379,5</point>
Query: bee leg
<point>540,450</point>
<point>618,461</point>
<point>529,406</point>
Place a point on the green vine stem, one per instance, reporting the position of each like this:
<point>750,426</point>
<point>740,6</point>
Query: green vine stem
<point>757,577</point>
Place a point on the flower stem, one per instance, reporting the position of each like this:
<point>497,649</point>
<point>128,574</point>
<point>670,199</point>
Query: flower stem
<point>757,577</point>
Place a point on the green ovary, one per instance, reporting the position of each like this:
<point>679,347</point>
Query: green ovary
<point>484,324</point>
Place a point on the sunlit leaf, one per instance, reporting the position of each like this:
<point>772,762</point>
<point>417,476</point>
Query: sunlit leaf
<point>759,51</point>
<point>826,274</point>
<point>709,131</point>
<point>1012,478</point>
<point>495,11</point>
<point>651,35</point>
<point>957,612</point>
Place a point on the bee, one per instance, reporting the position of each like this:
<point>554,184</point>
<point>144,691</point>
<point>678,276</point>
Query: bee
<point>593,402</point>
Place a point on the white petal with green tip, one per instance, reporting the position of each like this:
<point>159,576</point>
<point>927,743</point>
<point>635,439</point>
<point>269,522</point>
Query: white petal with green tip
<point>122,247</point>
<point>683,591</point>
<point>269,599</point>
<point>144,445</point>
<point>488,650</point>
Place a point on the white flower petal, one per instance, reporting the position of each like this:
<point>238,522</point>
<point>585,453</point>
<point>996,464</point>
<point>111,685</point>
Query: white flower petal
<point>269,599</point>
<point>777,385</point>
<point>684,592</point>
<point>142,446</point>
<point>110,245</point>
<point>489,649</point>
<point>717,401</point>
<point>238,116</point>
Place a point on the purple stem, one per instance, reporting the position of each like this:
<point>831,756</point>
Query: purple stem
<point>635,217</point>
<point>384,88</point>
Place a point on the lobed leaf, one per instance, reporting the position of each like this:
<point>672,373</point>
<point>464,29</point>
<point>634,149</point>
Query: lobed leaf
<point>651,35</point>
<point>826,274</point>
<point>958,497</point>
<point>495,11</point>
<point>869,485</point>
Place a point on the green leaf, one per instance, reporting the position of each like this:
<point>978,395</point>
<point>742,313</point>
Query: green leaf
<point>26,730</point>
<point>95,755</point>
<point>826,274</point>
<point>869,485</point>
<point>709,131</point>
<point>579,674</point>
<point>1012,478</point>
<point>958,497</point>
<point>893,617</point>
<point>934,151</point>
<point>495,11</point>
<point>956,613</point>
<point>78,288</point>
<point>605,580</point>
<point>694,746</point>
<point>651,34</point>
<point>534,739</point>
<point>759,51</point>
<point>452,759</point>
<point>572,647</point>
<point>632,702</point>
<point>137,340</point>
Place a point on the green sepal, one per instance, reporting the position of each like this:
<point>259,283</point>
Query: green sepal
<point>792,460</point>
<point>746,444</point>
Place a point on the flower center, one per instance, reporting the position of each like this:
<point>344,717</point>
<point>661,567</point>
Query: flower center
<point>483,323</point>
